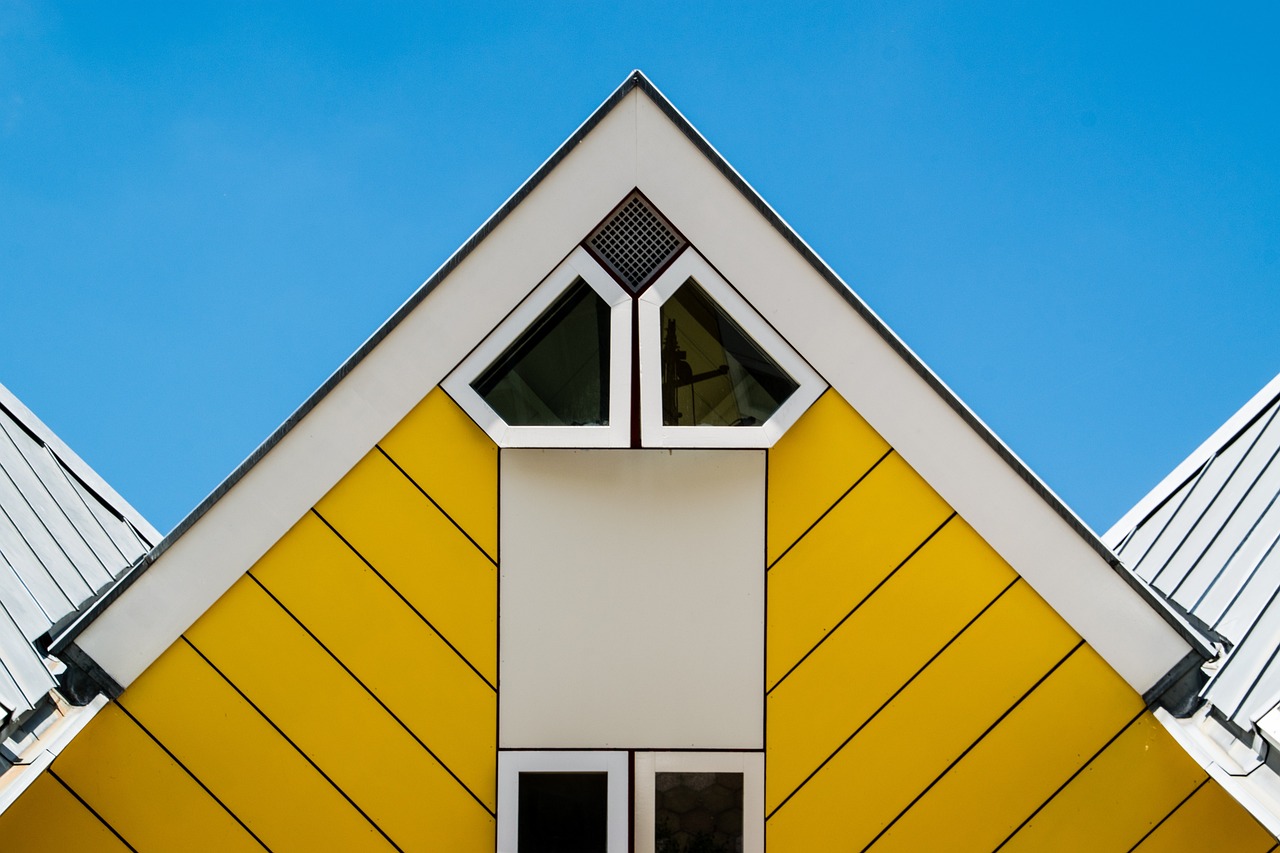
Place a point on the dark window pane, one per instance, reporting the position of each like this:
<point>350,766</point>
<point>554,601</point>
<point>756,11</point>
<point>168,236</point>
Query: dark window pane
<point>712,373</point>
<point>557,371</point>
<point>698,812</point>
<point>563,812</point>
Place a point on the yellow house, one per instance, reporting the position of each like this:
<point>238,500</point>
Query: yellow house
<point>633,529</point>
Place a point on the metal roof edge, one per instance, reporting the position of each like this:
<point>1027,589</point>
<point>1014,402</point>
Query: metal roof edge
<point>637,80</point>
<point>91,479</point>
<point>1222,436</point>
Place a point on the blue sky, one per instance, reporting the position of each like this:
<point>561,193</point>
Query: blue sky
<point>1072,213</point>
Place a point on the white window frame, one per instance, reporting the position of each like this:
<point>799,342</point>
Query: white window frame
<point>615,763</point>
<point>617,433</point>
<point>749,764</point>
<point>653,432</point>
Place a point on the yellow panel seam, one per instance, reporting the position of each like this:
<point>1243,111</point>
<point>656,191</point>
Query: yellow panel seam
<point>452,521</point>
<point>861,602</point>
<point>973,745</point>
<point>1171,813</point>
<point>187,770</point>
<point>289,740</point>
<point>400,595</point>
<point>374,696</point>
<point>1071,779</point>
<point>91,810</point>
<point>827,511</point>
<point>889,701</point>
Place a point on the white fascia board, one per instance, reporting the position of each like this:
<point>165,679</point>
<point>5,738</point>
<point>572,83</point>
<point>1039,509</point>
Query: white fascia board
<point>1193,463</point>
<point>271,494</point>
<point>916,419</point>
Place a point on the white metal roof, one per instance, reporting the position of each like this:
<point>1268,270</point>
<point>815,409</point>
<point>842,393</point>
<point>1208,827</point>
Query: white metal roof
<point>1206,539</point>
<point>65,536</point>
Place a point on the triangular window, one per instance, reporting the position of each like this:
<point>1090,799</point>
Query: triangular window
<point>557,372</point>
<point>713,373</point>
<point>562,369</point>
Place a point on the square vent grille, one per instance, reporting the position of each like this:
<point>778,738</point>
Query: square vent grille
<point>635,243</point>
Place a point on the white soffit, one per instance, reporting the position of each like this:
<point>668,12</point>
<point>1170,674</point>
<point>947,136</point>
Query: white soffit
<point>637,140</point>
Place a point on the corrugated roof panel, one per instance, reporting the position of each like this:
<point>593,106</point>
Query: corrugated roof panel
<point>30,568</point>
<point>1247,602</point>
<point>45,511</point>
<point>1250,675</point>
<point>1192,527</point>
<point>124,538</point>
<point>1203,558</point>
<point>20,604</point>
<point>1133,550</point>
<point>25,671</point>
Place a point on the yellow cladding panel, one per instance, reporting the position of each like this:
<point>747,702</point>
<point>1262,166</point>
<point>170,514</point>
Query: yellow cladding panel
<point>422,554</point>
<point>1210,820</point>
<point>388,647</point>
<point>340,726</point>
<point>1121,795</point>
<point>142,792</point>
<point>831,569</point>
<point>48,817</point>
<point>926,727</point>
<point>1019,764</point>
<point>453,461</point>
<point>236,753</point>
<point>819,458</point>
<point>837,688</point>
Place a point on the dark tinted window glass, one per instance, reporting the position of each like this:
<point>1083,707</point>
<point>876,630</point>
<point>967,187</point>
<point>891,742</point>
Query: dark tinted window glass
<point>557,371</point>
<point>712,373</point>
<point>698,812</point>
<point>563,812</point>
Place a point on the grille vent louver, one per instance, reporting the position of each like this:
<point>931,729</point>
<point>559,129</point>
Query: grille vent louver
<point>635,243</point>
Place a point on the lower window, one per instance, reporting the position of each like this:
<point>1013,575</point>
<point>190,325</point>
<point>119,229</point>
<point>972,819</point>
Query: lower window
<point>569,801</point>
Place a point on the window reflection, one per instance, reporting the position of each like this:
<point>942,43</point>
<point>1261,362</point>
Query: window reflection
<point>713,374</point>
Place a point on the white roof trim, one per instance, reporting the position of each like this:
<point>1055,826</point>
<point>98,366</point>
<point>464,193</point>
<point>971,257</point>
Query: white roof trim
<point>638,140</point>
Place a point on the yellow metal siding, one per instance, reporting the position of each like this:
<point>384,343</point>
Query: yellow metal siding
<point>814,464</point>
<point>242,758</point>
<point>387,647</point>
<point>48,817</point>
<point>861,664</point>
<point>421,553</point>
<point>1210,820</point>
<point>859,541</point>
<point>142,793</point>
<point>339,697</point>
<point>920,696</point>
<point>455,479</point>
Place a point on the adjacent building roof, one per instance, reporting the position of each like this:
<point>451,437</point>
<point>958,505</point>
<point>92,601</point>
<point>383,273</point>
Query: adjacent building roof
<point>1207,540</point>
<point>65,536</point>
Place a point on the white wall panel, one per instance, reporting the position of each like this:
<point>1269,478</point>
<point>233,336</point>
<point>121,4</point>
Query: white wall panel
<point>632,599</point>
